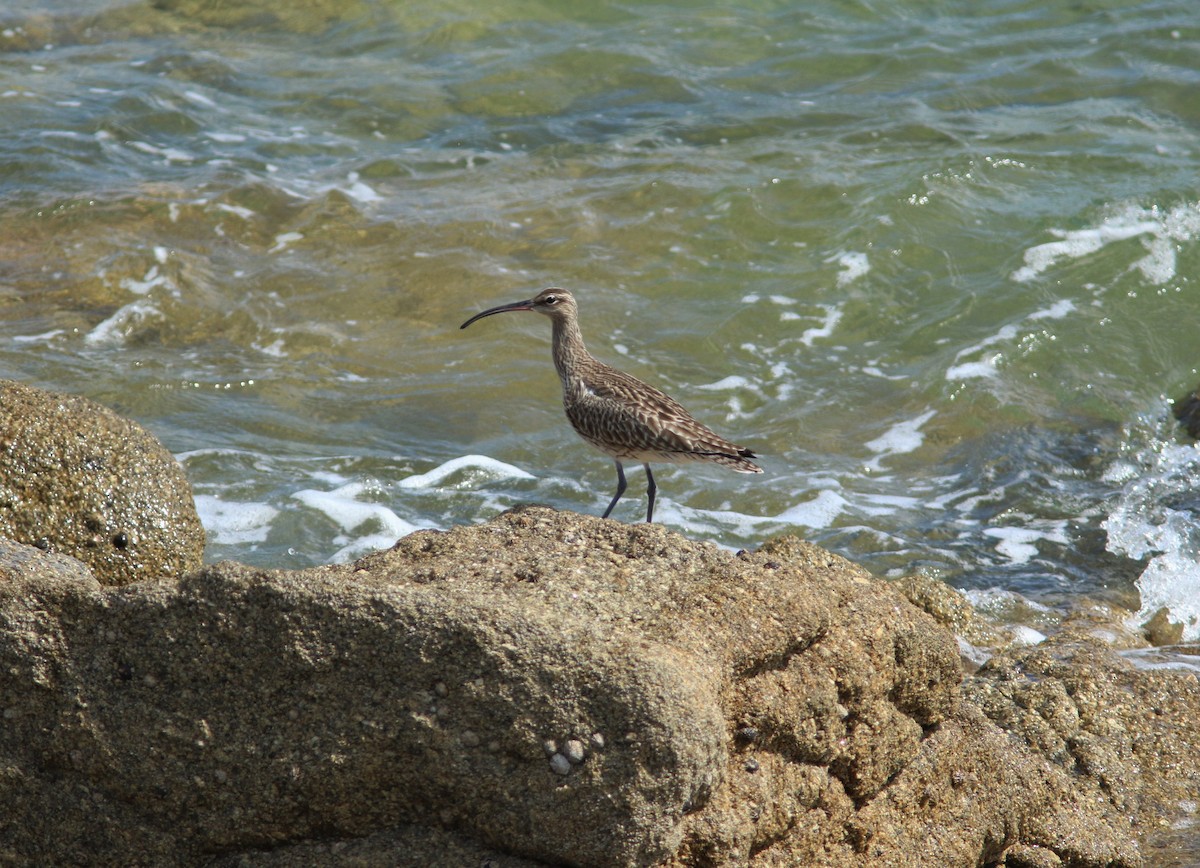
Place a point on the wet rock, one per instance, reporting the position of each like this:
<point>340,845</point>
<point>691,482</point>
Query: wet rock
<point>770,708</point>
<point>78,479</point>
<point>1129,737</point>
<point>1187,410</point>
<point>1161,630</point>
<point>950,608</point>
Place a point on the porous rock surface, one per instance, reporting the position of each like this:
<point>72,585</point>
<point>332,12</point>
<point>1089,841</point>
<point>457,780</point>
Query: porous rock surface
<point>1127,735</point>
<point>79,479</point>
<point>546,688</point>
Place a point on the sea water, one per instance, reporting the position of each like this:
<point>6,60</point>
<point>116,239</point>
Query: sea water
<point>938,266</point>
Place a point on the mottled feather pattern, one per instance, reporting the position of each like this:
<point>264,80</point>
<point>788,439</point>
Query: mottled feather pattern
<point>620,415</point>
<point>626,418</point>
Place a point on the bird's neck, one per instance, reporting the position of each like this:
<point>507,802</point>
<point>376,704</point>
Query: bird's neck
<point>570,355</point>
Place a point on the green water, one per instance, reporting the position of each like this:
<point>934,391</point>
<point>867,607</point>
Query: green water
<point>936,263</point>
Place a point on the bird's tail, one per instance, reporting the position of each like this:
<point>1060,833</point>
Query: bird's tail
<point>739,461</point>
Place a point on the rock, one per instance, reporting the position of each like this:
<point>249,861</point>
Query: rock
<point>574,752</point>
<point>1161,630</point>
<point>1187,411</point>
<point>770,708</point>
<point>951,609</point>
<point>78,479</point>
<point>1130,737</point>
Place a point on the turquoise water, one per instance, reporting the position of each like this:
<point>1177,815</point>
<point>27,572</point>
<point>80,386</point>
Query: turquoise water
<point>936,263</point>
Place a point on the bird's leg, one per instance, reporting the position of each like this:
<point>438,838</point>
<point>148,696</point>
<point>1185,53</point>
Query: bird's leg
<point>651,488</point>
<point>620,488</point>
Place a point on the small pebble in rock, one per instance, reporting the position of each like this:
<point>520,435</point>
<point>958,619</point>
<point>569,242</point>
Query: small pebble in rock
<point>751,765</point>
<point>560,765</point>
<point>574,752</point>
<point>440,688</point>
<point>470,739</point>
<point>550,746</point>
<point>747,735</point>
<point>597,741</point>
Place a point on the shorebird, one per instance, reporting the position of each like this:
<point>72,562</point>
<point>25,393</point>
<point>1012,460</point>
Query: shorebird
<point>624,418</point>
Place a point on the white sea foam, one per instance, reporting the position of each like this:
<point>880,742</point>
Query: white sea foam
<point>169,155</point>
<point>1162,658</point>
<point>234,523</point>
<point>886,504</point>
<point>236,210</point>
<point>1018,543</point>
<point>987,365</point>
<point>820,512</point>
<point>1075,244</point>
<point>366,526</point>
<point>112,330</point>
<point>359,190</point>
<point>36,339</point>
<point>854,265</point>
<point>490,466</point>
<point>833,316</point>
<point>974,370</point>
<point>1146,523</point>
<point>902,437</point>
<point>1059,310</point>
<point>141,287</point>
<point>199,99</point>
<point>876,371</point>
<point>1160,232</point>
<point>731,382</point>
<point>283,239</point>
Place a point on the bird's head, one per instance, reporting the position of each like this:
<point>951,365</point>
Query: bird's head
<point>558,304</point>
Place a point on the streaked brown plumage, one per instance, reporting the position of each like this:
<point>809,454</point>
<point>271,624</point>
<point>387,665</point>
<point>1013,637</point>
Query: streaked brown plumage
<point>620,415</point>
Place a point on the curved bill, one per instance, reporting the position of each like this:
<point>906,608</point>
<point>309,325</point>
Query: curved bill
<point>504,308</point>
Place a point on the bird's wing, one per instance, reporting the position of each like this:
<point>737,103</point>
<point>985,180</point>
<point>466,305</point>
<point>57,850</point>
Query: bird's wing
<point>656,420</point>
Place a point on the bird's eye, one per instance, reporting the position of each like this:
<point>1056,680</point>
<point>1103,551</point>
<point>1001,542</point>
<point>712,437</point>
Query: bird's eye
<point>550,300</point>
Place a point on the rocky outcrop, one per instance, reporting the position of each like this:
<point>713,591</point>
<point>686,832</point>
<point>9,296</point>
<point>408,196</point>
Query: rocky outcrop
<point>78,479</point>
<point>1125,735</point>
<point>547,688</point>
<point>551,688</point>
